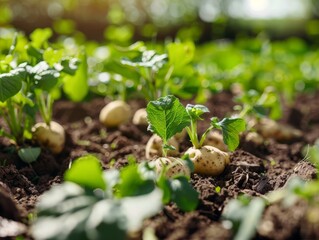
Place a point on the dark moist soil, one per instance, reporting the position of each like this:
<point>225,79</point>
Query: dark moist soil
<point>254,170</point>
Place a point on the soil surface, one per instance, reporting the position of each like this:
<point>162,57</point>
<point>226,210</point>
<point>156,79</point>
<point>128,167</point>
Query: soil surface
<point>254,170</point>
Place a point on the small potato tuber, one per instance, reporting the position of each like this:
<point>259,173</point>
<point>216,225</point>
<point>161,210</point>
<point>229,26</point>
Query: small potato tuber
<point>269,128</point>
<point>140,117</point>
<point>115,113</point>
<point>255,138</point>
<point>175,166</point>
<point>181,135</point>
<point>208,160</point>
<point>215,139</point>
<point>51,137</point>
<point>154,147</point>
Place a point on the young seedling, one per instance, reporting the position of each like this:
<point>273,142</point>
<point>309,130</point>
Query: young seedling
<point>166,117</point>
<point>48,133</point>
<point>209,160</point>
<point>256,107</point>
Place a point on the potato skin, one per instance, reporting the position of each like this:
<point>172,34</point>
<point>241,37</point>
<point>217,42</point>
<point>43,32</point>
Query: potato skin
<point>208,160</point>
<point>215,139</point>
<point>140,117</point>
<point>115,113</point>
<point>178,167</point>
<point>154,147</point>
<point>51,137</point>
<point>255,138</point>
<point>269,128</point>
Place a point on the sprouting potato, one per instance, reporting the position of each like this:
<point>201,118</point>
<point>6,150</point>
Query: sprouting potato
<point>269,128</point>
<point>254,138</point>
<point>154,147</point>
<point>115,113</point>
<point>51,137</point>
<point>140,117</point>
<point>215,139</point>
<point>208,160</point>
<point>175,166</point>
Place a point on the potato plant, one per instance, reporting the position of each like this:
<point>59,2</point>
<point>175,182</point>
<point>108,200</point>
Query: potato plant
<point>114,195</point>
<point>167,116</point>
<point>28,87</point>
<point>209,160</point>
<point>255,107</point>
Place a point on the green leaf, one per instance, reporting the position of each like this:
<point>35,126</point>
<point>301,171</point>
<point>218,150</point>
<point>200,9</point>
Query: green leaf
<point>133,183</point>
<point>231,127</point>
<point>196,111</point>
<point>166,117</point>
<point>11,83</point>
<point>29,155</point>
<point>46,77</point>
<point>164,184</point>
<point>137,208</point>
<point>183,194</point>
<point>245,218</point>
<point>87,172</point>
<point>148,59</point>
<point>180,54</point>
<point>70,66</point>
<point>88,216</point>
<point>52,56</point>
<point>79,81</point>
<point>40,36</point>
<point>33,52</point>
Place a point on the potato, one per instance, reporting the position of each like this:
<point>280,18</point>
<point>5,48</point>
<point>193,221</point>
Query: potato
<point>215,139</point>
<point>140,117</point>
<point>181,135</point>
<point>115,113</point>
<point>269,128</point>
<point>154,147</point>
<point>175,166</point>
<point>51,137</point>
<point>208,160</point>
<point>255,138</point>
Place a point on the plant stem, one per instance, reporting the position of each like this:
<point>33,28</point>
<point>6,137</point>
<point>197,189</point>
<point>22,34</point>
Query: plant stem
<point>192,132</point>
<point>45,107</point>
<point>203,137</point>
<point>164,150</point>
<point>12,121</point>
<point>166,79</point>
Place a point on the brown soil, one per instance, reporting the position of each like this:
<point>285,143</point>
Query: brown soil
<point>254,170</point>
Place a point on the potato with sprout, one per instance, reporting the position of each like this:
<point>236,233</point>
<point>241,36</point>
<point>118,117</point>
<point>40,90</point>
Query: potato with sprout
<point>209,160</point>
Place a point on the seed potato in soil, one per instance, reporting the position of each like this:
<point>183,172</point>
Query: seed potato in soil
<point>254,170</point>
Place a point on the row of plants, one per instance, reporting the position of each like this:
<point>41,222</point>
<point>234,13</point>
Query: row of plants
<point>36,72</point>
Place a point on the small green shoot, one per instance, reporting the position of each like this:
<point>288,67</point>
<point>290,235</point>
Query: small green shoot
<point>231,127</point>
<point>30,154</point>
